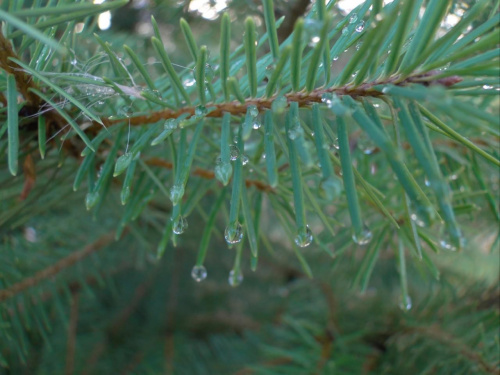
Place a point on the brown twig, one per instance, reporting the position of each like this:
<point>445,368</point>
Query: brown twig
<point>57,267</point>
<point>23,81</point>
<point>209,175</point>
<point>304,99</point>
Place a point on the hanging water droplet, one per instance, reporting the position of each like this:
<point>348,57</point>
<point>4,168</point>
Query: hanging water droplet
<point>179,225</point>
<point>363,237</point>
<point>234,152</point>
<point>366,145</point>
<point>405,303</point>
<point>235,278</point>
<point>353,18</point>
<point>447,242</point>
<point>253,110</point>
<point>279,105</point>
<point>417,220</point>
<point>170,124</point>
<point>331,187</point>
<point>270,69</point>
<point>264,156</point>
<point>304,237</point>
<point>233,233</point>
<point>176,193</point>
<point>312,30</point>
<point>244,160</point>
<point>91,200</point>
<point>295,130</point>
<point>223,172</point>
<point>327,99</point>
<point>209,73</point>
<point>189,82</point>
<point>359,27</point>
<point>427,182</point>
<point>200,111</point>
<point>335,58</point>
<point>256,124</point>
<point>199,273</point>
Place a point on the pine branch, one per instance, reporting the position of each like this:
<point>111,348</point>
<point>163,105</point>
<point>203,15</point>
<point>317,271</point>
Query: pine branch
<point>304,99</point>
<point>56,268</point>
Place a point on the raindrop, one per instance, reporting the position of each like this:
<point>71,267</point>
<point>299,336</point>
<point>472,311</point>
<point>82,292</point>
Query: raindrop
<point>244,160</point>
<point>279,105</point>
<point>233,233</point>
<point>269,70</point>
<point>359,27</point>
<point>405,303</point>
<point>331,187</point>
<point>189,82</point>
<point>327,99</point>
<point>200,111</point>
<point>345,31</point>
<point>335,58</point>
<point>364,237</point>
<point>234,152</point>
<point>170,124</point>
<point>209,73</point>
<point>353,18</point>
<point>176,193</point>
<point>295,130</point>
<point>447,243</point>
<point>256,124</point>
<point>253,111</point>
<point>235,278</point>
<point>179,225</point>
<point>312,30</point>
<point>304,237</point>
<point>366,145</point>
<point>199,273</point>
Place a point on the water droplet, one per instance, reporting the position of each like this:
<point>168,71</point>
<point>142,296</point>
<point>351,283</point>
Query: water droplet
<point>359,27</point>
<point>447,242</point>
<point>269,70</point>
<point>345,31</point>
<point>405,303</point>
<point>353,18</point>
<point>312,30</point>
<point>233,233</point>
<point>170,124</point>
<point>295,130</point>
<point>189,82</point>
<point>279,105</point>
<point>199,273</point>
<point>331,187</point>
<point>364,237</point>
<point>176,193</point>
<point>234,152</point>
<point>263,156</point>
<point>304,237</point>
<point>91,200</point>
<point>74,62</point>
<point>179,225</point>
<point>256,124</point>
<point>335,58</point>
<point>358,45</point>
<point>200,111</point>
<point>244,160</point>
<point>366,145</point>
<point>223,172</point>
<point>235,278</point>
<point>327,99</point>
<point>417,220</point>
<point>209,73</point>
<point>253,110</point>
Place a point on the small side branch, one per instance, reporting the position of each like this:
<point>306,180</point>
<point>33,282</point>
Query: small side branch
<point>57,267</point>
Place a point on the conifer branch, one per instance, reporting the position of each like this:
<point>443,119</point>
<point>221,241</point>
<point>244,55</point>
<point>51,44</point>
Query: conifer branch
<point>56,268</point>
<point>304,99</point>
